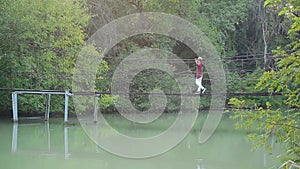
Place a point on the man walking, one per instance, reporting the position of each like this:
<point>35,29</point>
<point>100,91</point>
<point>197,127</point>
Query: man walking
<point>199,75</point>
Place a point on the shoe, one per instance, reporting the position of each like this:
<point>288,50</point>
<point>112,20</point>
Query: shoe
<point>203,90</point>
<point>198,92</point>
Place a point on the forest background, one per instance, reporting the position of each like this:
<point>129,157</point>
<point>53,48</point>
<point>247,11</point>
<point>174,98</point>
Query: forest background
<point>40,42</point>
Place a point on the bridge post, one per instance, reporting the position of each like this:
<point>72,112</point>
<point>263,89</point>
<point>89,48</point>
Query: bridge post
<point>15,106</point>
<point>47,107</point>
<point>96,98</point>
<point>66,105</point>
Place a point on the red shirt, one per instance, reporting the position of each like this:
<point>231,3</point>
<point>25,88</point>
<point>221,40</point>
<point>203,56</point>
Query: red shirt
<point>199,70</point>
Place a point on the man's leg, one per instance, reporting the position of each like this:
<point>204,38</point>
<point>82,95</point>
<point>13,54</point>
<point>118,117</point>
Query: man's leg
<point>198,83</point>
<point>201,86</point>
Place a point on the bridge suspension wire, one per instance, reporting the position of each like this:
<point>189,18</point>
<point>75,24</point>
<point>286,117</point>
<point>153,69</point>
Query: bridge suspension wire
<point>222,58</point>
<point>90,93</point>
<point>225,60</point>
<point>231,67</point>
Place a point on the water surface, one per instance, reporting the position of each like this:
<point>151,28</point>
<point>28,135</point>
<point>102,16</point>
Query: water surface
<point>41,145</point>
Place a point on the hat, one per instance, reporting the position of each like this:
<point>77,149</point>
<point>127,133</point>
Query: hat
<point>199,58</point>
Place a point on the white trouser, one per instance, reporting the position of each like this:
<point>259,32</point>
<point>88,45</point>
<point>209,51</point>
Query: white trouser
<point>199,84</point>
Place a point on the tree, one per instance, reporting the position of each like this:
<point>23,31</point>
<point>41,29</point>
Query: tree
<point>39,42</point>
<point>218,25</point>
<point>284,124</point>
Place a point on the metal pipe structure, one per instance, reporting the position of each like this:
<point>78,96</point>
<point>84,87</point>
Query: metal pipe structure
<point>96,98</point>
<point>48,94</point>
<point>47,112</point>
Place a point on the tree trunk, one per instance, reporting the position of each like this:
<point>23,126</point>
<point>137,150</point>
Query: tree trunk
<point>264,25</point>
<point>264,30</point>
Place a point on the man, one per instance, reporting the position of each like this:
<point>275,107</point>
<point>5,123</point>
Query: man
<point>199,75</point>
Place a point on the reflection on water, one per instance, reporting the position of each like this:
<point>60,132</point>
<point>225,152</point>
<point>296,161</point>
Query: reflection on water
<point>55,145</point>
<point>14,142</point>
<point>66,141</point>
<point>199,163</point>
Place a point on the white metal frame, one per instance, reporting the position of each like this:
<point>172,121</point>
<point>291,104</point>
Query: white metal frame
<point>48,95</point>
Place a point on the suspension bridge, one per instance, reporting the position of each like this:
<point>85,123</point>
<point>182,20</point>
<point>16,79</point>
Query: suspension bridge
<point>242,62</point>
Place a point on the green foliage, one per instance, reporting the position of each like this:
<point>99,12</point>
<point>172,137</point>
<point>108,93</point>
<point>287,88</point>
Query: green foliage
<point>218,25</point>
<point>39,42</point>
<point>247,83</point>
<point>286,80</point>
<point>284,124</point>
<point>84,82</point>
<point>150,80</point>
<point>265,123</point>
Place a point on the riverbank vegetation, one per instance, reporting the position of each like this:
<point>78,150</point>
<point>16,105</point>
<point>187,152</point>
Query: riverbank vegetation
<point>282,122</point>
<point>40,43</point>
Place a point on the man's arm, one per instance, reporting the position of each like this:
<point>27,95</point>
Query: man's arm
<point>198,62</point>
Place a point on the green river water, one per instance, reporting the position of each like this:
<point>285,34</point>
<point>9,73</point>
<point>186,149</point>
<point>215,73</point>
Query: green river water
<point>41,145</point>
